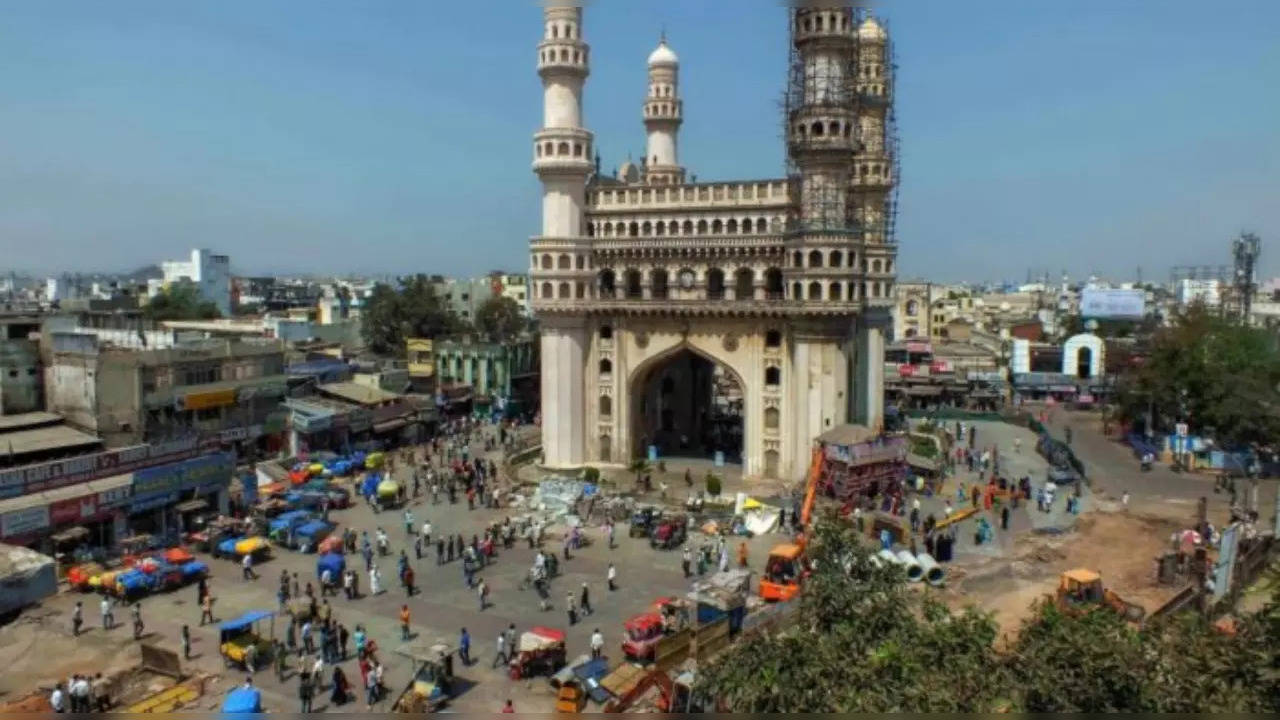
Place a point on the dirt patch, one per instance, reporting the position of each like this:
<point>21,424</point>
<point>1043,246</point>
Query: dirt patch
<point>37,650</point>
<point>1123,547</point>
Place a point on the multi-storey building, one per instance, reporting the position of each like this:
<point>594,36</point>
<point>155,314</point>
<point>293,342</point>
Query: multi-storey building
<point>643,282</point>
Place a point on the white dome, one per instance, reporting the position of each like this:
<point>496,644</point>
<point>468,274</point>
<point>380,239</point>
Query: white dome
<point>663,56</point>
<point>871,30</point>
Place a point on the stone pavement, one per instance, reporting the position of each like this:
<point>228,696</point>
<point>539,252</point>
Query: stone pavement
<point>442,606</point>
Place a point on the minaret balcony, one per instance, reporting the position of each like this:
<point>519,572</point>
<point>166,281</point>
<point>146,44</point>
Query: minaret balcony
<point>563,57</point>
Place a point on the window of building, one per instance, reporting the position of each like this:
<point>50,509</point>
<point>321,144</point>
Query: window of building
<point>772,376</point>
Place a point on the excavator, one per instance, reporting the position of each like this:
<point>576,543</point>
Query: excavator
<point>1080,591</point>
<point>786,568</point>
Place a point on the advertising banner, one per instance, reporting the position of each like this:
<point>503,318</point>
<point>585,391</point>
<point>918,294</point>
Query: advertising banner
<point>159,485</point>
<point>1112,304</point>
<point>74,510</point>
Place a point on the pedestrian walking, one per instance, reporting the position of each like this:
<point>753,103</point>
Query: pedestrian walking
<point>482,592</point>
<point>297,588</point>
<point>247,566</point>
<point>408,522</point>
<point>307,643</point>
<point>305,692</point>
<point>186,643</point>
<point>137,620</point>
<point>1124,500</point>
<point>464,647</point>
<point>597,644</point>
<point>77,618</point>
<point>404,623</point>
<point>108,616</point>
<point>343,636</point>
<point>584,601</point>
<point>612,576</point>
<point>280,660</point>
<point>571,607</point>
<point>501,655</point>
<point>1004,517</point>
<point>407,579</point>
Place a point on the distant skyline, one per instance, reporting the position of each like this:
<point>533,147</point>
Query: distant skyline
<point>392,136</point>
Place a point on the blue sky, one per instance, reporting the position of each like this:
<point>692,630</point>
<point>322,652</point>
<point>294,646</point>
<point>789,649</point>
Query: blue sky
<point>394,135</point>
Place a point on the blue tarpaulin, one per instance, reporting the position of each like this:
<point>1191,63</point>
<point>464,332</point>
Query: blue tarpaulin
<point>243,700</point>
<point>370,484</point>
<point>589,675</point>
<point>194,569</point>
<point>228,546</point>
<point>311,529</point>
<point>332,562</point>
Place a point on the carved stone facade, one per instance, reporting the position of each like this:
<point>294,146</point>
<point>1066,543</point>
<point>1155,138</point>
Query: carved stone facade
<point>778,281</point>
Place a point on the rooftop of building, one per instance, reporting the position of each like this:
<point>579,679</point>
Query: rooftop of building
<point>27,421</point>
<point>44,439</point>
<point>359,394</point>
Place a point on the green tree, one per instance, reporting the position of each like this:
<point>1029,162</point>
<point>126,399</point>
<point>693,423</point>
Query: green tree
<point>1219,377</point>
<point>862,641</point>
<point>500,319</point>
<point>413,309</point>
<point>180,301</point>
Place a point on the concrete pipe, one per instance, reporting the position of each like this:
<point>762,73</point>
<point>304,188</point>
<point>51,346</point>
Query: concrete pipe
<point>889,557</point>
<point>915,573</point>
<point>933,572</point>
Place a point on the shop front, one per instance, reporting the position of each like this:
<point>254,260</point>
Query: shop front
<point>158,491</point>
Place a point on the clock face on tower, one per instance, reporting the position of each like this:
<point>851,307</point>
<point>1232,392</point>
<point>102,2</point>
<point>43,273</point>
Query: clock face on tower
<point>686,279</point>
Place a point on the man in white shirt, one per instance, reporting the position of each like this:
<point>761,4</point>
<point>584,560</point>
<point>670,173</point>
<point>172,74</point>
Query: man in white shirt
<point>58,699</point>
<point>108,619</point>
<point>612,576</point>
<point>597,644</point>
<point>247,564</point>
<point>426,532</point>
<point>501,655</point>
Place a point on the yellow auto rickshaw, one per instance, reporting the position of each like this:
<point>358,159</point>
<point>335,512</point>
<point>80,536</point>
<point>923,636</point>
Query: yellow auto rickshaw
<point>235,637</point>
<point>257,546</point>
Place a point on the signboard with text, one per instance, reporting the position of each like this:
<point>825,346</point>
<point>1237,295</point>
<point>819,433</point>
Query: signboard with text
<point>20,522</point>
<point>60,473</point>
<point>1107,303</point>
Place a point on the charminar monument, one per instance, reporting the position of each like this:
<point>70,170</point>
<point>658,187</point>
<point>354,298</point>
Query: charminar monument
<point>739,316</point>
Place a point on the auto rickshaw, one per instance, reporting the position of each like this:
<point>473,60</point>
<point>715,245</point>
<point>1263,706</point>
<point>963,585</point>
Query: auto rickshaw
<point>669,533</point>
<point>235,636</point>
<point>330,545</point>
<point>432,684</point>
<point>282,526</point>
<point>643,633</point>
<point>540,651</point>
<point>642,521</point>
<point>105,582</point>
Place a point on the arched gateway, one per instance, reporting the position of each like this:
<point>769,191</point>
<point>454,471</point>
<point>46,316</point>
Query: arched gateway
<point>742,316</point>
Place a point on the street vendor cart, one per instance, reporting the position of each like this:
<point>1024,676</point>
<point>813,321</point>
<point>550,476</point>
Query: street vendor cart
<point>250,629</point>
<point>539,651</point>
<point>388,494</point>
<point>432,683</point>
<point>79,576</point>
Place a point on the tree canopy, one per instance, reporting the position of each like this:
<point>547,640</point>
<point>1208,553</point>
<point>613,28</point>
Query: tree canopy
<point>500,319</point>
<point>1220,377</point>
<point>180,301</point>
<point>412,309</point>
<point>863,640</point>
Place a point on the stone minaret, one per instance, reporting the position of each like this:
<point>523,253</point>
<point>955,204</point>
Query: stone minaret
<point>663,113</point>
<point>563,160</point>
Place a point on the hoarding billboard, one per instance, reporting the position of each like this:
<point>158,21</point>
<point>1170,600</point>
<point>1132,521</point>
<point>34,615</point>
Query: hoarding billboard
<point>1112,304</point>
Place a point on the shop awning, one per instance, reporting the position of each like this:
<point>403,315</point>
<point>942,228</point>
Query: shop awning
<point>70,535</point>
<point>191,506</point>
<point>390,425</point>
<point>115,482</point>
<point>22,502</point>
<point>70,492</point>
